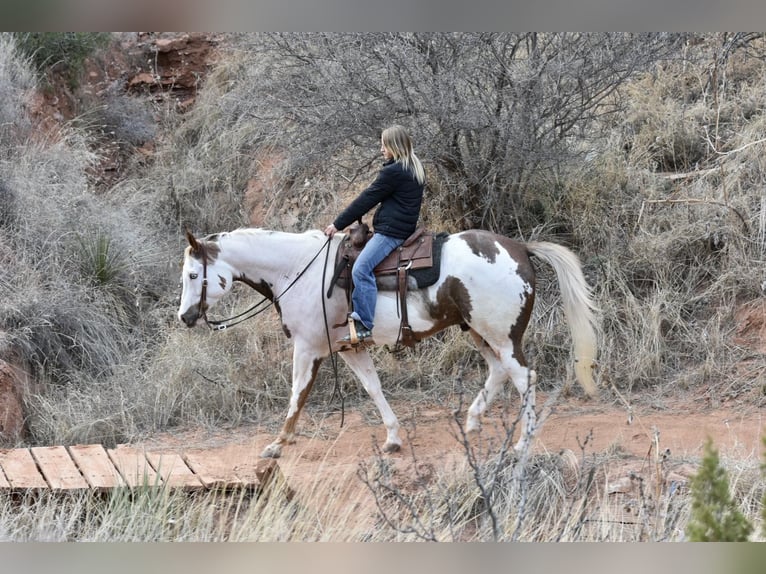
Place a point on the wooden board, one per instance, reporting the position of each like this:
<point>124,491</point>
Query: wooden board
<point>96,466</point>
<point>133,466</point>
<point>21,469</point>
<point>212,471</point>
<point>58,468</point>
<point>80,467</point>
<point>174,470</point>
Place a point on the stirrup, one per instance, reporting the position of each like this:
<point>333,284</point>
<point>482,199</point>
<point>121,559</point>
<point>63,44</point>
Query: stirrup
<point>357,334</point>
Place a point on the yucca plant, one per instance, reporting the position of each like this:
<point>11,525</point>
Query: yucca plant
<point>101,263</point>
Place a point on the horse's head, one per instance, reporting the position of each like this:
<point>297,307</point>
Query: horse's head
<point>205,278</point>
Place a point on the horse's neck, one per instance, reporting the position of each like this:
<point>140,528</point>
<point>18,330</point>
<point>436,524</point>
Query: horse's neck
<point>268,255</point>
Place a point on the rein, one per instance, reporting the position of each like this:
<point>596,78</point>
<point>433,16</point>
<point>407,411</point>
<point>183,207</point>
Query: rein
<point>334,356</point>
<point>221,324</point>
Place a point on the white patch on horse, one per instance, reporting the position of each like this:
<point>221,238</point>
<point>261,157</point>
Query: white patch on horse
<point>482,274</point>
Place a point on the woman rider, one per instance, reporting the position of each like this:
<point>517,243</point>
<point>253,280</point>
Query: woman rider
<point>398,191</point>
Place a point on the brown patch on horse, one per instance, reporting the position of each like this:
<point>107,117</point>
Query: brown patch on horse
<point>204,251</point>
<point>265,289</point>
<point>288,429</point>
<point>518,252</point>
<point>452,306</point>
<point>482,244</point>
<point>516,333</point>
<point>485,245</point>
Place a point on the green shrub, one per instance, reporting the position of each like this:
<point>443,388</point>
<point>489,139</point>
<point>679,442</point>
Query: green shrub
<point>715,517</point>
<point>49,50</point>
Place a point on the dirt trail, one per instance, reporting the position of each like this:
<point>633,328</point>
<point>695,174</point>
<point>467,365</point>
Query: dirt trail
<point>325,450</point>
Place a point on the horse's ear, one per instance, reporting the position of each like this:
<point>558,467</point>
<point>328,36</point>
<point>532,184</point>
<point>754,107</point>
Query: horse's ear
<point>192,240</point>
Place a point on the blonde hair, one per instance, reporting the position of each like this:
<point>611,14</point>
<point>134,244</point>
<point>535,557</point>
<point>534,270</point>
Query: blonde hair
<point>396,140</point>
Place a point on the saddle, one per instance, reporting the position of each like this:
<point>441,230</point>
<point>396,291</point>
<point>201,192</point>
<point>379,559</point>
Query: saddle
<point>415,253</point>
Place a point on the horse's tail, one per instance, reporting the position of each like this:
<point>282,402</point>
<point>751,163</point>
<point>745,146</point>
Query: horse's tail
<point>579,307</point>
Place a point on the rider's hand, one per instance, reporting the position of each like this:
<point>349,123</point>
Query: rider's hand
<point>330,230</point>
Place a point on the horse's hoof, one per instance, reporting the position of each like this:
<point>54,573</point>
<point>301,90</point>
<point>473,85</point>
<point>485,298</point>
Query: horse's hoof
<point>520,448</point>
<point>472,425</point>
<point>272,451</point>
<point>391,447</point>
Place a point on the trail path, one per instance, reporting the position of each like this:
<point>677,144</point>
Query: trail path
<point>326,452</point>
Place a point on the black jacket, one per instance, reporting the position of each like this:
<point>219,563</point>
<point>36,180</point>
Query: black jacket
<point>399,195</point>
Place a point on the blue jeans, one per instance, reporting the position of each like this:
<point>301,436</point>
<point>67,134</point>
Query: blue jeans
<point>365,294</point>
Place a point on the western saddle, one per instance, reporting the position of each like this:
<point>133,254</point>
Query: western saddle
<point>415,253</point>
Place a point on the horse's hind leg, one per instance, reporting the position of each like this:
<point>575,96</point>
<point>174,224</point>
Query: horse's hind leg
<point>361,363</point>
<point>506,363</point>
<point>494,383</point>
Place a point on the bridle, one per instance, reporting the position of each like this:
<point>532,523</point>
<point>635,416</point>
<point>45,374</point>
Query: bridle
<point>220,325</point>
<point>203,293</point>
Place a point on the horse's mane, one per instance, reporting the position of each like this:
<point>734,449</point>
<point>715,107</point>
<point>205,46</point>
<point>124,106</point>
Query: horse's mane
<point>261,230</point>
<point>211,245</point>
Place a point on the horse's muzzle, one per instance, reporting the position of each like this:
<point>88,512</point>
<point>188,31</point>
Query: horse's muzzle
<point>190,316</point>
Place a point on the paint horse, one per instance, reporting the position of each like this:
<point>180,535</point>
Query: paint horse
<point>485,285</point>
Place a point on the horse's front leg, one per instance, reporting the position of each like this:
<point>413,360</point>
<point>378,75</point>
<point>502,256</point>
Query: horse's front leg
<point>305,368</point>
<point>363,367</point>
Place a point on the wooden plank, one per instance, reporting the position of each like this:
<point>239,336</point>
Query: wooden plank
<point>133,466</point>
<point>58,468</point>
<point>21,470</point>
<point>96,466</point>
<point>174,470</point>
<point>212,471</point>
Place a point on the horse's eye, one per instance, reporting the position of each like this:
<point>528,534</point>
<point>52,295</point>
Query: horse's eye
<point>193,276</point>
